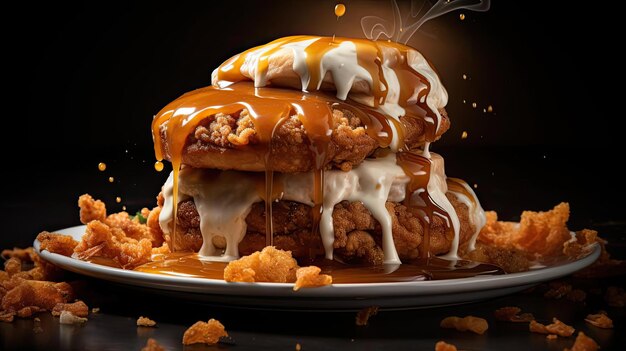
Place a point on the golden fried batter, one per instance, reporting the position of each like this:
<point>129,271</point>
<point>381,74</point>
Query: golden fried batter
<point>77,308</point>
<point>600,320</point>
<point>111,242</point>
<point>363,316</point>
<point>444,346</point>
<point>57,243</point>
<point>512,314</point>
<point>583,343</point>
<point>310,277</point>
<point>204,333</point>
<point>90,209</point>
<point>152,345</point>
<point>45,295</point>
<point>145,322</point>
<point>268,265</point>
<point>509,259</point>
<point>474,324</point>
<point>557,327</point>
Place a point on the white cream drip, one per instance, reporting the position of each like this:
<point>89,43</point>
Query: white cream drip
<point>224,199</point>
<point>476,213</point>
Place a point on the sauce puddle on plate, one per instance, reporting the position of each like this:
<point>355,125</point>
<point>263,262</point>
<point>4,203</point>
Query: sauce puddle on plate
<point>185,264</point>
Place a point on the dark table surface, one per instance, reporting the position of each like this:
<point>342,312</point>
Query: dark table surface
<point>506,186</point>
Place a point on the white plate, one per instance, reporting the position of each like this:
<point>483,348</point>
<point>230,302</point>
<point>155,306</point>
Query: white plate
<point>335,297</point>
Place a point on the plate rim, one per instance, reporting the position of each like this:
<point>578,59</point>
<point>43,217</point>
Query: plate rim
<point>353,290</point>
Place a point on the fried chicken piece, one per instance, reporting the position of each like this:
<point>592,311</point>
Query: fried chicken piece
<point>154,227</point>
<point>363,316</point>
<point>204,333</point>
<point>600,320</point>
<point>557,327</point>
<point>163,250</point>
<point>512,314</point>
<point>615,297</point>
<point>26,293</point>
<point>152,345</point>
<point>310,277</point>
<point>509,259</point>
<point>538,233</point>
<point>133,228</point>
<point>90,209</point>
<point>269,265</point>
<point>57,243</point>
<point>78,308</point>
<point>145,322</point>
<point>471,323</point>
<point>444,346</point>
<point>68,317</point>
<point>104,241</point>
<point>584,343</point>
<point>3,276</point>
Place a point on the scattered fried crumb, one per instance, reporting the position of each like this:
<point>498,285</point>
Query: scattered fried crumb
<point>90,209</point>
<point>615,297</point>
<point>600,320</point>
<point>68,317</point>
<point>363,316</point>
<point>551,336</point>
<point>512,314</point>
<point>471,323</point>
<point>511,260</point>
<point>557,327</point>
<point>310,277</point>
<point>77,308</point>
<point>204,333</point>
<point>95,310</point>
<point>152,345</point>
<point>28,293</point>
<point>269,265</point>
<point>557,290</point>
<point>583,343</point>
<point>57,243</point>
<point>28,311</point>
<point>538,233</point>
<point>7,316</point>
<point>298,347</point>
<point>145,322</point>
<point>23,254</point>
<point>444,346</point>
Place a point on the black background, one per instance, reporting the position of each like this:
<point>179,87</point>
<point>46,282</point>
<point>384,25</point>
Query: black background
<point>82,82</point>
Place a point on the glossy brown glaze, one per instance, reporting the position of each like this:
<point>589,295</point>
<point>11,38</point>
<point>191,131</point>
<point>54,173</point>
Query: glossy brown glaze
<point>191,265</point>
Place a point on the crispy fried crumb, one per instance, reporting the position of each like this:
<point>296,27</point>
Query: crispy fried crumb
<point>600,320</point>
<point>152,345</point>
<point>310,277</point>
<point>7,316</point>
<point>557,290</point>
<point>28,311</point>
<point>551,336</point>
<point>583,343</point>
<point>25,255</point>
<point>95,310</point>
<point>471,323</point>
<point>363,316</point>
<point>26,293</point>
<point>510,259</point>
<point>57,243</point>
<point>12,266</point>
<point>77,308</point>
<point>68,317</point>
<point>111,242</point>
<point>512,314</point>
<point>145,322</point>
<point>269,265</point>
<point>90,209</point>
<point>444,346</point>
<point>615,297</point>
<point>204,333</point>
<point>557,327</point>
<point>538,233</point>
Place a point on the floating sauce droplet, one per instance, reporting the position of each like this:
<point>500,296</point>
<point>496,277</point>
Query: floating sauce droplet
<point>111,179</point>
<point>124,208</point>
<point>462,16</point>
<point>464,135</point>
<point>474,105</point>
<point>340,10</point>
<point>158,165</point>
<point>464,76</point>
<point>102,166</point>
<point>489,108</point>
<point>118,199</point>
